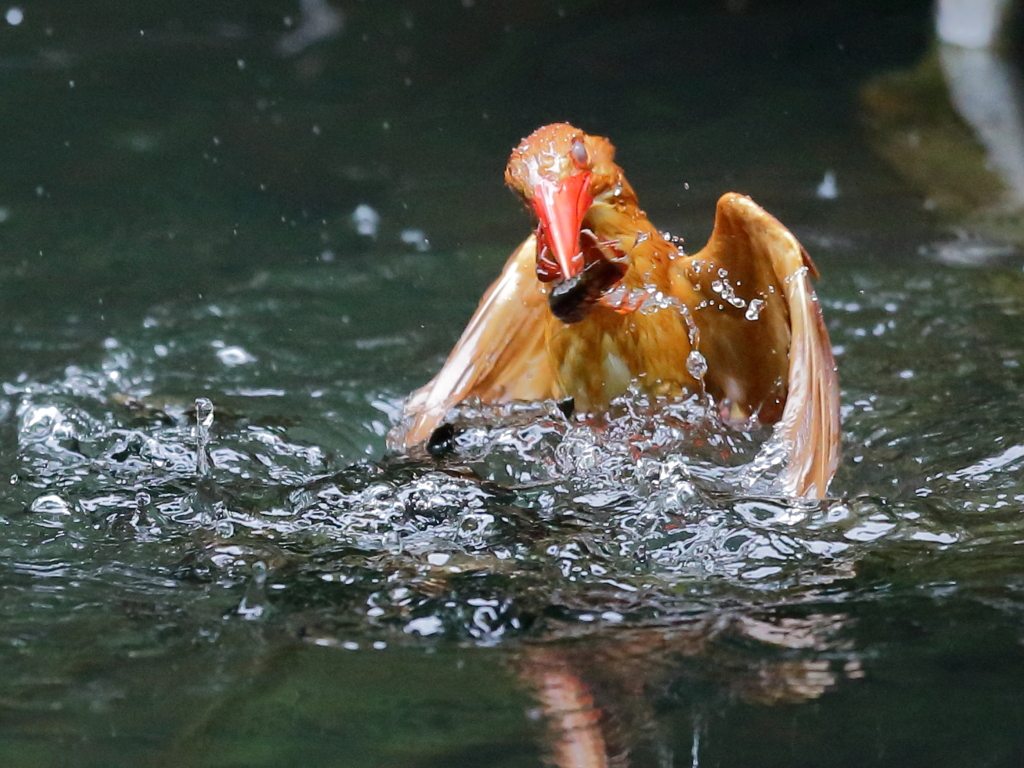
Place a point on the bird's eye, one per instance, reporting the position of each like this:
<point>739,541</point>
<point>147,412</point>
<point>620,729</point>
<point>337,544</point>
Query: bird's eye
<point>579,154</point>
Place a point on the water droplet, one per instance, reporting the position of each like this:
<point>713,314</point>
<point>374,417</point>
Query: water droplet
<point>204,420</point>
<point>754,310</point>
<point>204,412</point>
<point>232,356</point>
<point>259,573</point>
<point>426,625</point>
<point>50,504</point>
<point>366,220</point>
<point>828,189</point>
<point>417,238</point>
<point>696,364</point>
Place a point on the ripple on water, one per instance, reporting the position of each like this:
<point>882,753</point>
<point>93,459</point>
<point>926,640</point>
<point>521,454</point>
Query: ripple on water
<point>646,516</point>
<point>593,517</point>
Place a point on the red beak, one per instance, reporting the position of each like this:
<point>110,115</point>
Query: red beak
<point>561,209</point>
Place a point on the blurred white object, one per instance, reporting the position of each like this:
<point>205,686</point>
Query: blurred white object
<point>232,356</point>
<point>828,189</point>
<point>417,238</point>
<point>366,220</point>
<point>970,23</point>
<point>318,20</point>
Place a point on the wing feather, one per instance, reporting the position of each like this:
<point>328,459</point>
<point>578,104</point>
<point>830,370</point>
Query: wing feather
<point>773,358</point>
<point>500,357</point>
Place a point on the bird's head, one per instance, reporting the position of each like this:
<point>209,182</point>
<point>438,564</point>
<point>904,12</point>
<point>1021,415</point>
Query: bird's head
<point>565,177</point>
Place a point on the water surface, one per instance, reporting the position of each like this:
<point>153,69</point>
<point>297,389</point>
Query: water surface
<point>176,206</point>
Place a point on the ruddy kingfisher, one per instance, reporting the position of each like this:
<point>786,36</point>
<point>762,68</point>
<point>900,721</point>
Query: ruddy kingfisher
<point>597,301</point>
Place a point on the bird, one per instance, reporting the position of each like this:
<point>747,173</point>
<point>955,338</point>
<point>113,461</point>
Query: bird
<point>597,302</point>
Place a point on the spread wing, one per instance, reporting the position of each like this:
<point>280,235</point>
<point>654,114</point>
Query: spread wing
<point>761,331</point>
<point>500,357</point>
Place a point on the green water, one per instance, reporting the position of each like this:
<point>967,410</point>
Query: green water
<point>176,198</point>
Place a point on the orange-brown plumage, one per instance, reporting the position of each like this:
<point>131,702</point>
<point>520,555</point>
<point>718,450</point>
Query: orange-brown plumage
<point>597,300</point>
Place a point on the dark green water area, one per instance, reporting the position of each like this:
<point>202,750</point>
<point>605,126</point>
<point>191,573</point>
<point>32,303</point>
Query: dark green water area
<point>177,189</point>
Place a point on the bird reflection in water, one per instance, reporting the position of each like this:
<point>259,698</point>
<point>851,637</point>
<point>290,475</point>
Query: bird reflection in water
<point>598,695</point>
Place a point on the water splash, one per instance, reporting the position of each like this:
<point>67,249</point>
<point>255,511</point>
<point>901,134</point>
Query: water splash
<point>204,421</point>
<point>254,604</point>
<point>657,510</point>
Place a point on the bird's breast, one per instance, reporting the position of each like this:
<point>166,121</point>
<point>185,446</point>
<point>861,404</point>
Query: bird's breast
<point>602,356</point>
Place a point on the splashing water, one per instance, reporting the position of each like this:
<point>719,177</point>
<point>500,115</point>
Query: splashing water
<point>204,420</point>
<point>274,588</point>
<point>655,509</point>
